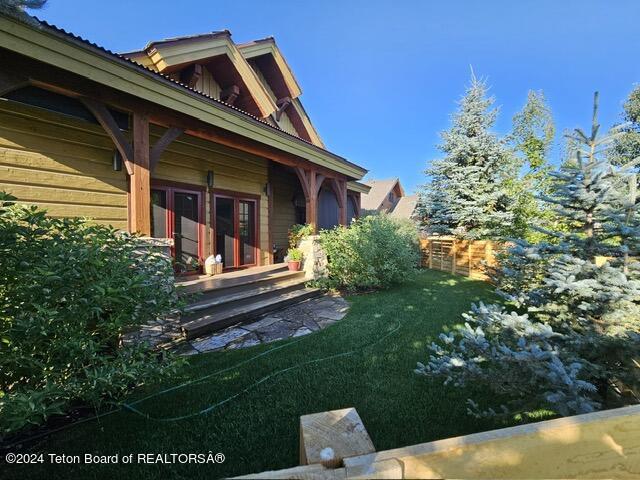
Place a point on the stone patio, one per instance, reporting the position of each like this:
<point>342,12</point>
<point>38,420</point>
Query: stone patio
<point>300,319</point>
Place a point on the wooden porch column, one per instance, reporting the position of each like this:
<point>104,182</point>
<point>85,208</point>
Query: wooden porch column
<point>312,201</point>
<point>309,182</point>
<point>140,181</point>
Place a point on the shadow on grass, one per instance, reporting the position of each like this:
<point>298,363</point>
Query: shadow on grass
<point>258,429</point>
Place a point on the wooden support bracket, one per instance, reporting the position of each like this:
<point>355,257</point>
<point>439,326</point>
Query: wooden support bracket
<point>190,75</point>
<point>106,120</point>
<point>282,104</point>
<point>10,81</point>
<point>171,134</point>
<point>230,94</point>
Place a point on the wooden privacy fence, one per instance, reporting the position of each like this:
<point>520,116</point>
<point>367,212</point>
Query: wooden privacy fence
<point>460,257</point>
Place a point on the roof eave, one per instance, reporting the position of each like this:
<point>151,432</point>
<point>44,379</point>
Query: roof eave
<point>73,53</point>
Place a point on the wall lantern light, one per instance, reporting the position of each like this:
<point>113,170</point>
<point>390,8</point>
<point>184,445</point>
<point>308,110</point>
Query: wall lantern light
<point>117,161</point>
<point>210,178</point>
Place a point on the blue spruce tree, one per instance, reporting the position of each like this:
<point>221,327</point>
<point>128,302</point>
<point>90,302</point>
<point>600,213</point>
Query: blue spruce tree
<point>466,196</point>
<point>576,324</point>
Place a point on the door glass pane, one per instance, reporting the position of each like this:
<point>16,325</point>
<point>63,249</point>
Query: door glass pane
<point>247,232</point>
<point>224,230</point>
<point>158,214</point>
<point>185,230</point>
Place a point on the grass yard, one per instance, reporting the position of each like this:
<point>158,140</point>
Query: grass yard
<point>258,430</point>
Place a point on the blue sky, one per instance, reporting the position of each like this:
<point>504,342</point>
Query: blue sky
<point>381,78</point>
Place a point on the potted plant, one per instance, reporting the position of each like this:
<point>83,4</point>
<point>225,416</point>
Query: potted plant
<point>294,257</point>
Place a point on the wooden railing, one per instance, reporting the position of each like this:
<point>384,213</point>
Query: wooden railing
<point>596,445</point>
<point>460,257</point>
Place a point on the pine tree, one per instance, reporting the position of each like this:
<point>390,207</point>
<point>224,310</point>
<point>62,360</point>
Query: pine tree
<point>466,194</point>
<point>16,8</point>
<point>627,145</point>
<point>531,140</point>
<point>577,323</point>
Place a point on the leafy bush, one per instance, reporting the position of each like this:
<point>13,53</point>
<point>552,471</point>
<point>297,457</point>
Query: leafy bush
<point>373,252</point>
<point>69,289</point>
<point>298,232</point>
<point>294,255</point>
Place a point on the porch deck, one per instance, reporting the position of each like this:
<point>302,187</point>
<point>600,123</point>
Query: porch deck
<point>203,283</point>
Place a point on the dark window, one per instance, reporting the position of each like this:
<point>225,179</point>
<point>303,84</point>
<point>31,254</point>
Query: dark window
<point>38,97</point>
<point>327,209</point>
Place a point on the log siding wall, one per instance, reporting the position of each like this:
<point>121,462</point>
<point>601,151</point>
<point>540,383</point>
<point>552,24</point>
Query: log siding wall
<point>64,165</point>
<point>61,164</point>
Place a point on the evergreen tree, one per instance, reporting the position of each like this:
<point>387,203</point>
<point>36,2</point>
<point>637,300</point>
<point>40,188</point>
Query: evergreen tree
<point>466,194</point>
<point>16,8</point>
<point>531,139</point>
<point>577,299</point>
<point>627,145</point>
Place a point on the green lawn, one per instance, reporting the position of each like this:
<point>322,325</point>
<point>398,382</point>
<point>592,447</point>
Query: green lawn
<point>258,430</point>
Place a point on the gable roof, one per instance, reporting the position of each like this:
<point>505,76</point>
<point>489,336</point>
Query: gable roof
<point>52,45</point>
<point>269,58</point>
<point>379,191</point>
<point>259,67</point>
<point>172,54</point>
<point>406,207</point>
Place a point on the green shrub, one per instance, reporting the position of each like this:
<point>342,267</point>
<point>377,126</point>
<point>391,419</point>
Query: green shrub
<point>69,289</point>
<point>374,252</point>
<point>294,255</point>
<point>297,232</point>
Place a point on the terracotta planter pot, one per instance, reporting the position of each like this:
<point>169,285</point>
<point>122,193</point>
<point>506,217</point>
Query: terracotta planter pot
<point>293,266</point>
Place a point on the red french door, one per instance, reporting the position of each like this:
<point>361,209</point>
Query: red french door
<point>235,225</point>
<point>177,213</point>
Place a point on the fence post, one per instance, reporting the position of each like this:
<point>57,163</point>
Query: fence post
<point>488,253</point>
<point>430,253</point>
<point>470,254</point>
<point>453,256</point>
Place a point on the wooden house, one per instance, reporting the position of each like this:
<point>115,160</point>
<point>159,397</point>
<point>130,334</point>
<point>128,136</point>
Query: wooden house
<point>196,139</point>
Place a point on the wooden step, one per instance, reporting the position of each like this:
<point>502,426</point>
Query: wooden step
<point>244,312</point>
<point>236,279</point>
<point>219,297</point>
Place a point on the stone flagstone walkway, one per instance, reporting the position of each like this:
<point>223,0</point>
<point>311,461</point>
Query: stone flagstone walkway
<point>295,321</point>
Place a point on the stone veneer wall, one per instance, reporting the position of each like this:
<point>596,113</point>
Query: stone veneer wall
<point>314,259</point>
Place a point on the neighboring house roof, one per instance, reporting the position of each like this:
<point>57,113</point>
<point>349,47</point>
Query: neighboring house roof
<point>70,52</point>
<point>379,191</point>
<point>406,207</point>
